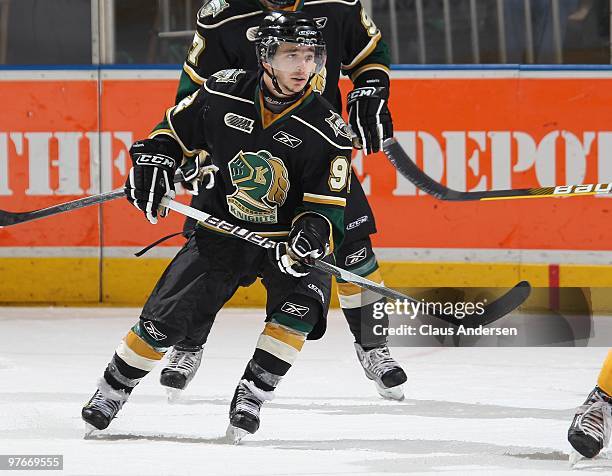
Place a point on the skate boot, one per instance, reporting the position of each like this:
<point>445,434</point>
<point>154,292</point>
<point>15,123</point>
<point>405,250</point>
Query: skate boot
<point>590,430</point>
<point>244,410</point>
<point>386,373</point>
<point>182,366</point>
<point>102,407</point>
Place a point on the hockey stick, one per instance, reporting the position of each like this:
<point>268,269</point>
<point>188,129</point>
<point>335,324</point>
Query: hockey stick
<point>15,218</point>
<point>493,311</point>
<point>402,162</point>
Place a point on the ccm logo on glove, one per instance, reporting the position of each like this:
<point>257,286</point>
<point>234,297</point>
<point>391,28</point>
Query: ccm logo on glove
<point>364,92</point>
<point>156,160</point>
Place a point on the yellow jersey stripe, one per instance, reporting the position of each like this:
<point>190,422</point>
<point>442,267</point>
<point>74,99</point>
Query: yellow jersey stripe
<point>324,199</point>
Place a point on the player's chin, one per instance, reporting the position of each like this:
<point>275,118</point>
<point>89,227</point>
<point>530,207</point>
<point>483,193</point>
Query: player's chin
<point>298,84</point>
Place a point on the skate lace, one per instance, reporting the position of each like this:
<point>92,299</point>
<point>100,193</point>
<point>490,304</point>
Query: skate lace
<point>247,401</point>
<point>595,419</point>
<point>105,405</point>
<point>379,361</point>
<point>184,361</point>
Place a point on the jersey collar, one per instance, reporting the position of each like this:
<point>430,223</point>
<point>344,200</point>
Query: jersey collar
<point>297,5</point>
<point>268,117</point>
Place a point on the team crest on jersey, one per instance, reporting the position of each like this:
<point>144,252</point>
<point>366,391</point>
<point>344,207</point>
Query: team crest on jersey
<point>228,75</point>
<point>287,139</point>
<point>241,123</point>
<point>338,125</point>
<point>212,8</point>
<point>262,184</point>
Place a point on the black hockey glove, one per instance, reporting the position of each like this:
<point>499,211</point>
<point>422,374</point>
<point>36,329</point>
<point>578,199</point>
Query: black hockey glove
<point>308,240</point>
<point>152,176</point>
<point>192,172</point>
<point>369,116</point>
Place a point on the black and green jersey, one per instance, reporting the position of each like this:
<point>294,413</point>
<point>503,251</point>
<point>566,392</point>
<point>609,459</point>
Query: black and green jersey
<point>272,168</point>
<point>226,29</point>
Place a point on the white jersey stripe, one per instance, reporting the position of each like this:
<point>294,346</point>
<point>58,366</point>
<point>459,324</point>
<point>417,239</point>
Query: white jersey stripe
<point>322,134</point>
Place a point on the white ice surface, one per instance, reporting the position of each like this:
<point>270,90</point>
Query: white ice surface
<point>467,411</point>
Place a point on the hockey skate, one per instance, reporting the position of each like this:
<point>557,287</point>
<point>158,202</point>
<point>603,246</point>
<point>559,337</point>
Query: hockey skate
<point>102,407</point>
<point>590,430</point>
<point>181,368</point>
<point>385,372</point>
<point>244,410</point>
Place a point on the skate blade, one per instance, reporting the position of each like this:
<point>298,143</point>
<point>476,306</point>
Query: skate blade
<point>234,434</point>
<point>392,393</point>
<point>175,395</point>
<point>90,431</point>
<point>575,458</point>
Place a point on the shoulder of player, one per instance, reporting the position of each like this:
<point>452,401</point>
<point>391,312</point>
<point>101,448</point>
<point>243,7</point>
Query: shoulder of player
<point>322,121</point>
<point>237,84</point>
<point>331,3</point>
<point>216,13</point>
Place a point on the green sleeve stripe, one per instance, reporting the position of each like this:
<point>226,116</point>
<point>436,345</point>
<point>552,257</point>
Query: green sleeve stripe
<point>380,55</point>
<point>334,214</point>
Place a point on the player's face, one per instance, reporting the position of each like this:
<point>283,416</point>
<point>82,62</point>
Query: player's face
<point>293,66</point>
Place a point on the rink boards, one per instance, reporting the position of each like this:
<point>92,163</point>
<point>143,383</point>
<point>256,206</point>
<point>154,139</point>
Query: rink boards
<point>65,133</point>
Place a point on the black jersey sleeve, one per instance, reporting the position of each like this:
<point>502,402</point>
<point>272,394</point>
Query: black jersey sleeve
<point>325,185</point>
<point>186,122</point>
<point>364,49</point>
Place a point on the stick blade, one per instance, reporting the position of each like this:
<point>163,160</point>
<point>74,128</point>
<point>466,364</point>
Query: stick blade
<point>8,218</point>
<point>502,306</point>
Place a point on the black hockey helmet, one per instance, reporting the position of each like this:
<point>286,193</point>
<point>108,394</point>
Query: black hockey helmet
<point>296,28</point>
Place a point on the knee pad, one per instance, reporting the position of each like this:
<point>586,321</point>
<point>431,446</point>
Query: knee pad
<point>357,257</point>
<point>158,335</point>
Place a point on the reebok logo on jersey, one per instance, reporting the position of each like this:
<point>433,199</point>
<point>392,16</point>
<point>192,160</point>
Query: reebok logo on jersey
<point>241,123</point>
<point>356,223</point>
<point>318,291</point>
<point>153,332</point>
<point>338,125</point>
<point>356,257</point>
<point>156,160</point>
<point>287,139</point>
<point>320,22</point>
<point>295,309</point>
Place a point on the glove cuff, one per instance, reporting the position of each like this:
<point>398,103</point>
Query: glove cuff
<point>160,145</point>
<point>316,225</point>
<point>372,77</point>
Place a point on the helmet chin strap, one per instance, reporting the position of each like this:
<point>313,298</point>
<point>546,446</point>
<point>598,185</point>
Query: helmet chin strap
<point>278,88</point>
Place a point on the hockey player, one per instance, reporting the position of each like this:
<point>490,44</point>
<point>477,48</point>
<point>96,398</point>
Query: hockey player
<point>590,430</point>
<point>293,189</point>
<point>224,39</point>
